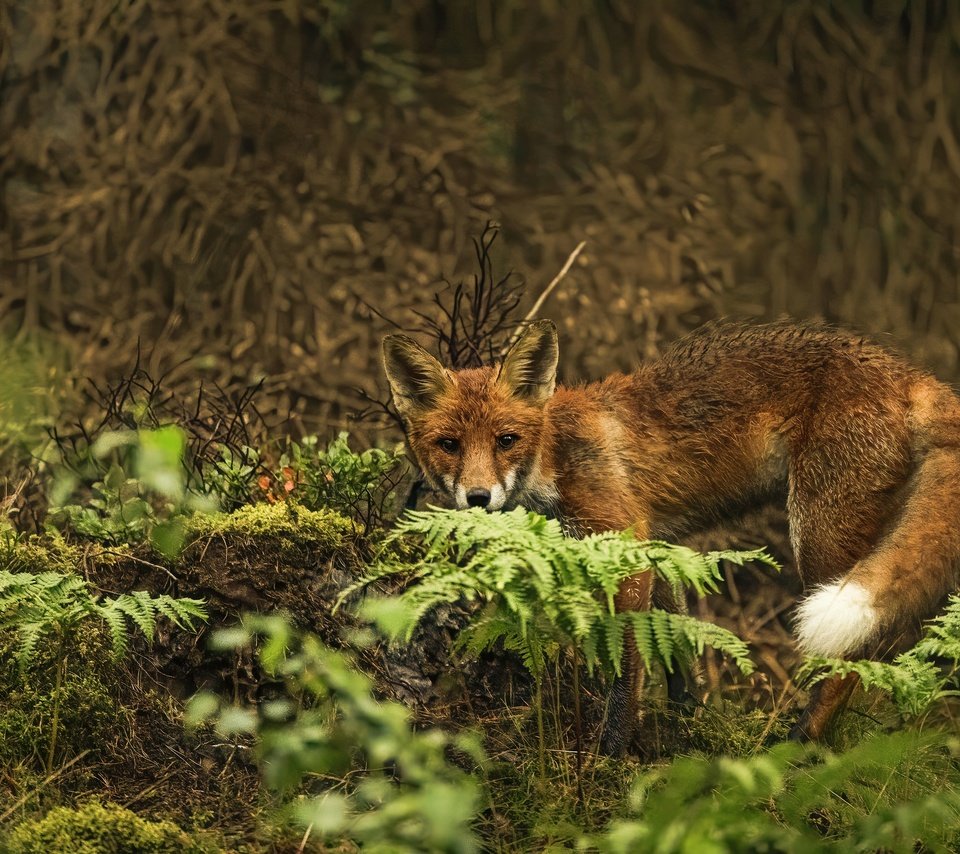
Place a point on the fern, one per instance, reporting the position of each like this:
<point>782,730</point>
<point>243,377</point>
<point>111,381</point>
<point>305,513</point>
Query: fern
<point>52,604</point>
<point>548,591</point>
<point>36,605</point>
<point>117,624</point>
<point>942,636</point>
<point>692,636</point>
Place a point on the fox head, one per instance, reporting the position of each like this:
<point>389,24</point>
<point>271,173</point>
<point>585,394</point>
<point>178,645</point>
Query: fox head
<point>476,433</point>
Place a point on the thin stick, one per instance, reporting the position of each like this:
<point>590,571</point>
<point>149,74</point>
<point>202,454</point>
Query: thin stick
<point>543,297</point>
<point>578,720</point>
<point>57,690</point>
<point>140,560</point>
<point>46,781</point>
<point>303,842</point>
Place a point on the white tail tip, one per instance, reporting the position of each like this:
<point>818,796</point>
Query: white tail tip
<point>836,619</point>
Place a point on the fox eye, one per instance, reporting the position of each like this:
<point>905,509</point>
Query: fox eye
<point>507,441</point>
<point>448,446</point>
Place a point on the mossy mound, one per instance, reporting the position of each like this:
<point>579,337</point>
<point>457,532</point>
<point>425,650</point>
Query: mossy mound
<point>262,557</point>
<point>282,520</point>
<point>48,553</point>
<point>270,557</point>
<point>96,828</point>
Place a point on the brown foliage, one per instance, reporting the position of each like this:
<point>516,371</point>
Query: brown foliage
<point>229,180</point>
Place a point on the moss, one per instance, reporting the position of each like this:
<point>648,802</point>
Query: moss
<point>51,552</point>
<point>96,828</point>
<point>325,528</point>
<point>731,730</point>
<point>48,553</point>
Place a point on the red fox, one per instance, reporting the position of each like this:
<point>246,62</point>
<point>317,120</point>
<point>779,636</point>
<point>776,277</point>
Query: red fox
<point>863,448</point>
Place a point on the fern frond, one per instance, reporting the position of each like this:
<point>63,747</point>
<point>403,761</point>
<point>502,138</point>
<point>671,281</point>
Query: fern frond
<point>912,683</point>
<point>613,637</point>
<point>941,638</point>
<point>117,624</point>
<point>140,613</point>
<point>33,605</point>
<point>658,633</point>
<point>543,582</point>
<point>29,636</point>
<point>483,633</point>
<point>180,612</point>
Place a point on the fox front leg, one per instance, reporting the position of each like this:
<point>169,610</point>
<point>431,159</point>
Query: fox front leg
<point>623,704</point>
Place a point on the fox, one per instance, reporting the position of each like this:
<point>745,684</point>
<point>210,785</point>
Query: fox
<point>861,447</point>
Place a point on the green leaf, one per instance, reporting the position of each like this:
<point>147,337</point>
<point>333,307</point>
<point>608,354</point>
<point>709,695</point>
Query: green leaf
<point>160,460</point>
<point>394,616</point>
<point>167,537</point>
<point>231,638</point>
<point>235,720</point>
<point>200,708</point>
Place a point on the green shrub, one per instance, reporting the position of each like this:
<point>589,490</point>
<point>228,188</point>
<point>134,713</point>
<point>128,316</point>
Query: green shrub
<point>358,485</point>
<point>96,828</point>
<point>370,776</point>
<point>137,486</point>
<point>877,796</point>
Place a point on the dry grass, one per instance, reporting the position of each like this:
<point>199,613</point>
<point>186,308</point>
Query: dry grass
<point>228,181</point>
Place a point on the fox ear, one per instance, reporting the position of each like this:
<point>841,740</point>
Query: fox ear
<point>416,378</point>
<point>530,368</point>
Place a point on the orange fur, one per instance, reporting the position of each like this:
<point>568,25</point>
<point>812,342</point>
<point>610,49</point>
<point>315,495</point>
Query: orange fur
<point>863,448</point>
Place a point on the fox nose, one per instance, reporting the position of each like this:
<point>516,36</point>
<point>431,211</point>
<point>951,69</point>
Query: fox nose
<point>478,497</point>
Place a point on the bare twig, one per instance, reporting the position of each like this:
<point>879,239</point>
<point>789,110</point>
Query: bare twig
<point>141,561</point>
<point>43,784</point>
<point>543,297</point>
<point>303,841</point>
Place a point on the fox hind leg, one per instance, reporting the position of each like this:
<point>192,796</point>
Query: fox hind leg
<point>890,590</point>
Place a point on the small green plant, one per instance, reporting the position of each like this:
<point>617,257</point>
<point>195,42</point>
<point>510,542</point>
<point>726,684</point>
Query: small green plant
<point>52,606</point>
<point>230,479</point>
<point>393,788</point>
<point>793,798</point>
<point>358,485</point>
<point>915,679</point>
<point>139,488</point>
<point>546,593</point>
<point>218,429</point>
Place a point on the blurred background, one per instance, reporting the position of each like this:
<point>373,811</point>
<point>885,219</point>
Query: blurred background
<point>240,188</point>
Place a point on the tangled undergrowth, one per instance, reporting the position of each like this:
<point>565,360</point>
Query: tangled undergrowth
<point>238,183</point>
<point>309,731</point>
